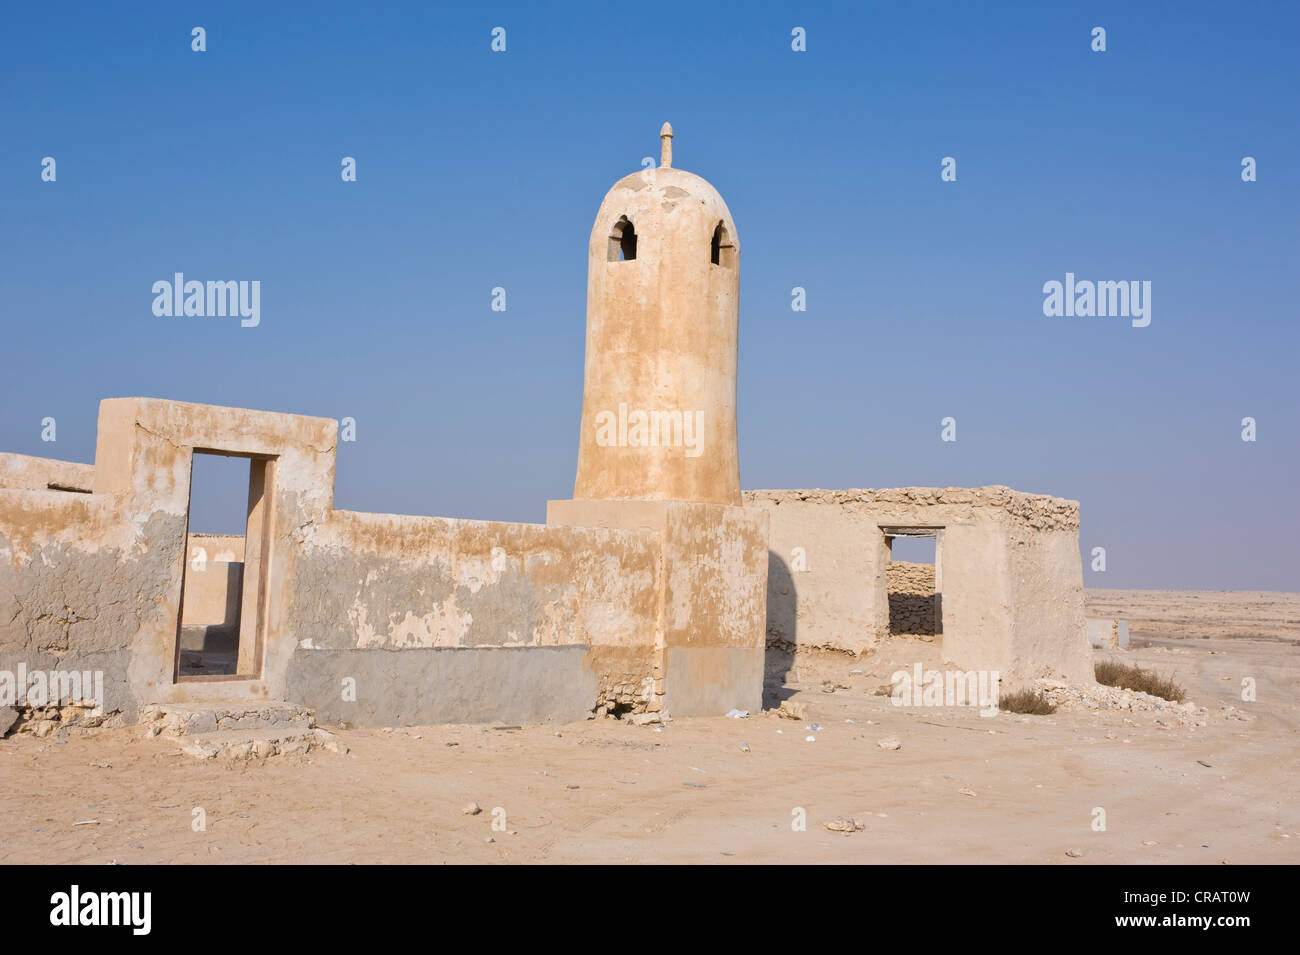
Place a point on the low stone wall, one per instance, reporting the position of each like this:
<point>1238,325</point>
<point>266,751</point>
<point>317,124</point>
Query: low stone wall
<point>913,605</point>
<point>1038,511</point>
<point>23,472</point>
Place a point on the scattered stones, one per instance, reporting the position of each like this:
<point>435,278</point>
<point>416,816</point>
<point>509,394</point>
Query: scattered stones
<point>263,744</point>
<point>842,824</point>
<point>790,710</point>
<point>1100,697</point>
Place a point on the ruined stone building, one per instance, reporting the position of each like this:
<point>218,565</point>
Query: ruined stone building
<point>656,588</point>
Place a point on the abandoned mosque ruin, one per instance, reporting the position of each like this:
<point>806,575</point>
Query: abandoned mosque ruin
<point>658,588</point>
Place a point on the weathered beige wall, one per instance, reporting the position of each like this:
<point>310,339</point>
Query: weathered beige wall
<point>709,638</point>
<point>23,472</point>
<point>1009,574</point>
<point>546,622</point>
<point>391,582</point>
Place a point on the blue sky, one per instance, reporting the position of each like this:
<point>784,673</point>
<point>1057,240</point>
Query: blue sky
<point>479,169</point>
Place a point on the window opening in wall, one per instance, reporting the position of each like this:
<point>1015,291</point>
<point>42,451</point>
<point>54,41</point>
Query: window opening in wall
<point>622,241</point>
<point>721,250</point>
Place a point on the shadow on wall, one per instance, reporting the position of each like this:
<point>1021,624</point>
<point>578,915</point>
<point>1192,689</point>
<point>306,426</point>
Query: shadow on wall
<point>782,619</point>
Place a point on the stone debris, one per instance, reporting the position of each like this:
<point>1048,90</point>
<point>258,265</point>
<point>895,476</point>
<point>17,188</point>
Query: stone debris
<point>890,742</point>
<point>842,824</point>
<point>1099,698</point>
<point>55,719</point>
<point>471,809</point>
<point>644,719</point>
<point>791,710</point>
<point>262,744</point>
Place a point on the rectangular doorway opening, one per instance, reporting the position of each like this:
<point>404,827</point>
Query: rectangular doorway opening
<point>913,583</point>
<point>223,585</point>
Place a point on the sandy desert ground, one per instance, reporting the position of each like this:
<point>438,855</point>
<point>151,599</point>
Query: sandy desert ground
<point>961,788</point>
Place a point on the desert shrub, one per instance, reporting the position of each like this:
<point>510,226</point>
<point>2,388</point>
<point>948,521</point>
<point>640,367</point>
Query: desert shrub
<point>1128,677</point>
<point>1031,702</point>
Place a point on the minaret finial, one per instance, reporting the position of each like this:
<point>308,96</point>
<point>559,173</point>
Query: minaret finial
<point>666,153</point>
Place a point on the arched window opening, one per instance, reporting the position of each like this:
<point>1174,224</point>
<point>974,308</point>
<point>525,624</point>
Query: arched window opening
<point>622,241</point>
<point>721,250</point>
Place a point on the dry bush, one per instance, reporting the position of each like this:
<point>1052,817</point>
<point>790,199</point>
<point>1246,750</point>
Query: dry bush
<point>1031,702</point>
<point>1127,677</point>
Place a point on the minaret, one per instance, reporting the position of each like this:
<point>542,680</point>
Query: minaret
<point>659,392</point>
